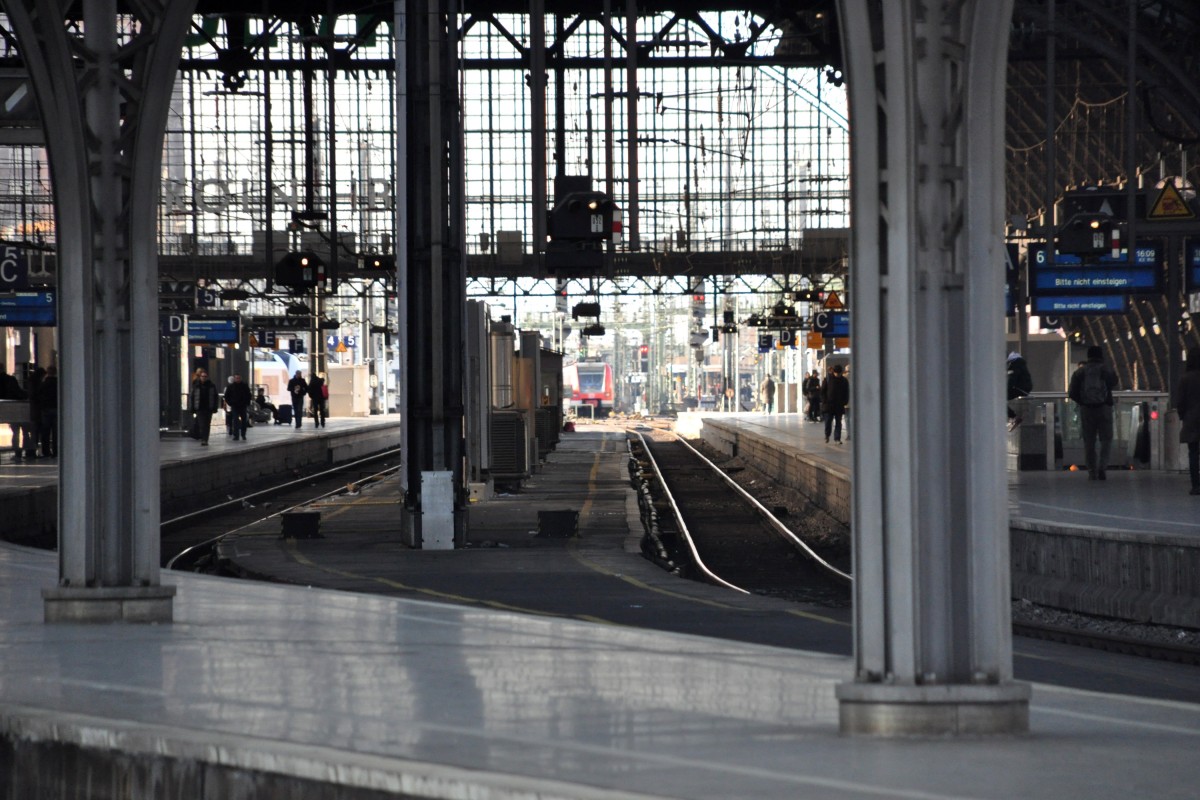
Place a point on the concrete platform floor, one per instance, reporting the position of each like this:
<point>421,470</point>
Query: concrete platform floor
<point>436,700</point>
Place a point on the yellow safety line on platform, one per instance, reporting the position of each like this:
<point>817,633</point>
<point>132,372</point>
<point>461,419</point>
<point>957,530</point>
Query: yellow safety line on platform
<point>585,511</point>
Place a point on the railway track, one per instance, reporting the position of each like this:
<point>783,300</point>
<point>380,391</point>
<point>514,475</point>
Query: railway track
<point>188,540</point>
<point>708,528</point>
<point>746,548</point>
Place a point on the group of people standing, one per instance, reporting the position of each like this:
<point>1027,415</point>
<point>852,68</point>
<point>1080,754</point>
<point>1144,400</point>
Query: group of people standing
<point>205,401</point>
<point>828,400</point>
<point>317,393</point>
<point>38,437</point>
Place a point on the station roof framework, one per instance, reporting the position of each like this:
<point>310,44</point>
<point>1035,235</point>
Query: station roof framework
<point>1080,104</point>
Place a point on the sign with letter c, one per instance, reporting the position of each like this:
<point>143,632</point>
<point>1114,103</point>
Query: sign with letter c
<point>14,270</point>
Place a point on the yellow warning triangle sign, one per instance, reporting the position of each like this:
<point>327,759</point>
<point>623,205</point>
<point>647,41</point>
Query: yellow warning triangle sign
<point>341,348</point>
<point>1170,204</point>
<point>833,302</point>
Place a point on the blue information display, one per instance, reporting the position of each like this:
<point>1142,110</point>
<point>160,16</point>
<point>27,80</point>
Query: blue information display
<point>1107,275</point>
<point>213,330</point>
<point>1055,305</point>
<point>1191,255</point>
<point>35,309</point>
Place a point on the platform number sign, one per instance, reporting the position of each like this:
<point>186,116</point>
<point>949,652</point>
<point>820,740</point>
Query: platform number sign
<point>14,270</point>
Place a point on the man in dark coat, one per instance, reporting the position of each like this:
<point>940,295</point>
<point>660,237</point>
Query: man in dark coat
<point>237,397</point>
<point>835,396</point>
<point>204,402</point>
<point>298,388</point>
<point>10,389</point>
<point>1091,387</point>
<point>1020,384</point>
<point>812,393</point>
<point>316,397</point>
<point>48,402</point>
<point>1186,401</point>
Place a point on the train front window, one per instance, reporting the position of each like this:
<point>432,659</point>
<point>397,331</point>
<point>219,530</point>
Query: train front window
<point>591,381</point>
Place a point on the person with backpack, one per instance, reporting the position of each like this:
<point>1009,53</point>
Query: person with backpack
<point>1091,388</point>
<point>1020,384</point>
<point>298,388</point>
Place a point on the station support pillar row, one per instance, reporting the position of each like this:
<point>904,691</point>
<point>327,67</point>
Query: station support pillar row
<point>104,122</point>
<point>431,275</point>
<point>933,638</point>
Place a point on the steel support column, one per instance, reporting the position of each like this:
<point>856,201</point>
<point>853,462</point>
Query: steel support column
<point>103,95</point>
<point>933,648</point>
<point>432,280</point>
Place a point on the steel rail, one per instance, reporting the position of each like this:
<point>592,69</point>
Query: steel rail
<point>279,488</point>
<point>784,530</point>
<point>210,542</point>
<point>683,528</point>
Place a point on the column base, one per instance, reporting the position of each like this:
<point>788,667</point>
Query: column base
<point>889,710</point>
<point>109,604</point>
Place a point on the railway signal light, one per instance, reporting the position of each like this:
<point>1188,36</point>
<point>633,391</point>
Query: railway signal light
<point>378,263</point>
<point>1090,235</point>
<point>300,270</point>
<point>582,216</point>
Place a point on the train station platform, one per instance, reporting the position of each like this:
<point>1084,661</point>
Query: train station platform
<point>192,473</point>
<point>1127,547</point>
<point>292,690</point>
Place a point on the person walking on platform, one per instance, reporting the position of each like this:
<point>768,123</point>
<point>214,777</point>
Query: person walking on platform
<point>766,393</point>
<point>205,402</point>
<point>10,389</point>
<point>1186,401</point>
<point>1020,384</point>
<point>33,429</point>
<point>812,393</point>
<point>298,388</point>
<point>228,410</point>
<point>835,396</point>
<point>196,380</point>
<point>237,397</point>
<point>318,393</point>
<point>1091,388</point>
<point>47,392</point>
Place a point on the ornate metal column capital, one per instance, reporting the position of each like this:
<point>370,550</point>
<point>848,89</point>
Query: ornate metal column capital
<point>103,91</point>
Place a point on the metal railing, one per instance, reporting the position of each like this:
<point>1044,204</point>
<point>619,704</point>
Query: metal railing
<point>1145,432</point>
